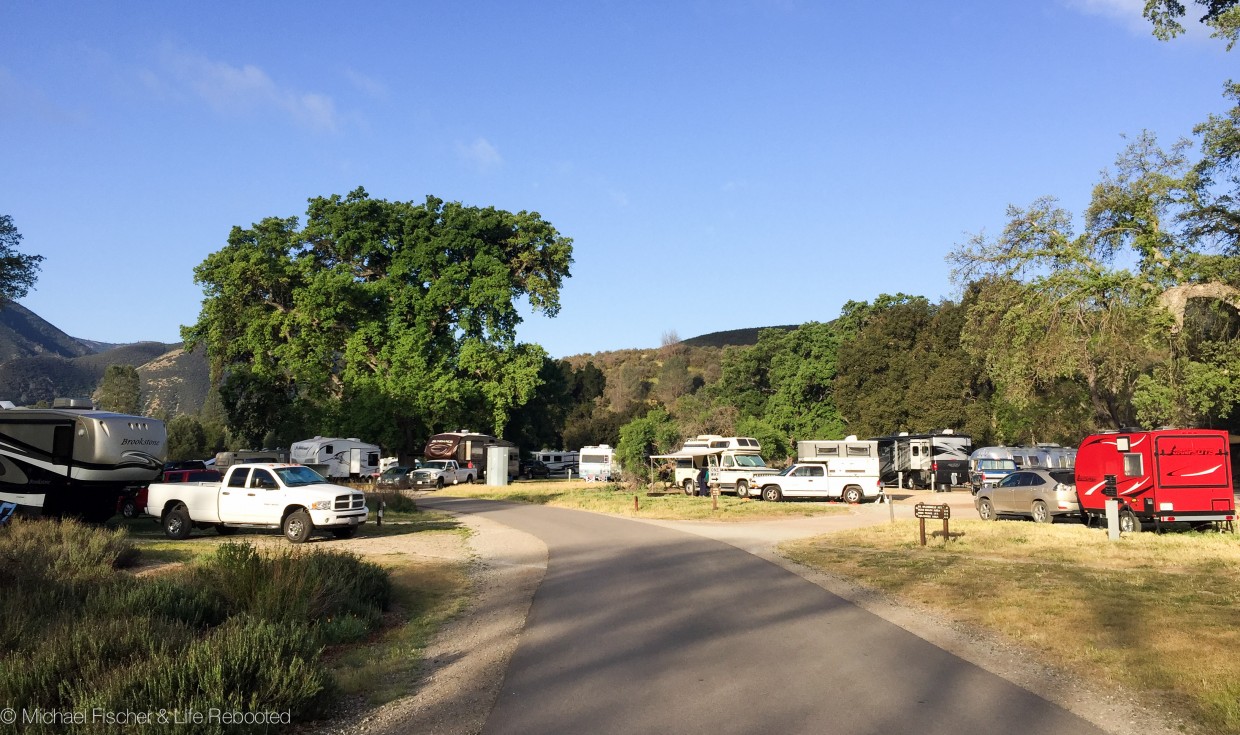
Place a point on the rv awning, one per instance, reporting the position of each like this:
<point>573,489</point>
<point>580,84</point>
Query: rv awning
<point>689,453</point>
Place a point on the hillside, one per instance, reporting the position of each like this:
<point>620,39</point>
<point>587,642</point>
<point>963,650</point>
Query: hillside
<point>24,334</point>
<point>39,362</point>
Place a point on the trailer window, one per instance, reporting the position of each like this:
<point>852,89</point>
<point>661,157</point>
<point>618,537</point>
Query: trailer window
<point>859,450</point>
<point>1133,465</point>
<point>828,451</point>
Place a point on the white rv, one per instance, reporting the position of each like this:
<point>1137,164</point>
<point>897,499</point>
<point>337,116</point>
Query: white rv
<point>852,467</point>
<point>598,464</point>
<point>558,461</point>
<point>337,458</point>
<point>733,464</point>
<point>73,460</point>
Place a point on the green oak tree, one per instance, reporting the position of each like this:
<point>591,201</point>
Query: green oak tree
<point>17,270</point>
<point>120,390</point>
<point>653,433</point>
<point>1223,16</point>
<point>398,317</point>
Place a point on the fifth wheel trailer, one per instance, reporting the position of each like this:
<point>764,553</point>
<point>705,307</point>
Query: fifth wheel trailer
<point>933,460</point>
<point>71,460</point>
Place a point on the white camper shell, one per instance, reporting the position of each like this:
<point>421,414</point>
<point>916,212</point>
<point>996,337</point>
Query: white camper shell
<point>852,467</point>
<point>336,458</point>
<point>598,464</point>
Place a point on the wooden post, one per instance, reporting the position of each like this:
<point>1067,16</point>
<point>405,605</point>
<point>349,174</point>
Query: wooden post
<point>635,508</point>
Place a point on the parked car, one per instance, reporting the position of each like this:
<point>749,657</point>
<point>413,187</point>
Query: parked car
<point>1037,494</point>
<point>396,478</point>
<point>532,468</point>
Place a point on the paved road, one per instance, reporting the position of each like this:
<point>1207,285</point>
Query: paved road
<point>642,628</point>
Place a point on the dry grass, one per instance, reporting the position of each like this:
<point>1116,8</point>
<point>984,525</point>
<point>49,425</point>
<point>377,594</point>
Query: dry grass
<point>618,500</point>
<point>1156,613</point>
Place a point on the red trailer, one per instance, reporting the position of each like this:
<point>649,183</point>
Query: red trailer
<point>1159,476</point>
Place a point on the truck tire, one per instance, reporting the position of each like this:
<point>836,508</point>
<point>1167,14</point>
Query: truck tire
<point>298,526</point>
<point>688,485</point>
<point>742,489</point>
<point>852,495</point>
<point>469,479</point>
<point>439,483</point>
<point>129,508</point>
<point>772,493</point>
<point>177,523</point>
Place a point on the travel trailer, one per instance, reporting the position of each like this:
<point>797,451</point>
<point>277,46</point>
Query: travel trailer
<point>989,465</point>
<point>1044,456</point>
<point>71,460</point>
<point>1158,477</point>
<point>343,459</point>
<point>470,450</point>
<point>558,461</point>
<point>937,460</point>
<point>598,463</point>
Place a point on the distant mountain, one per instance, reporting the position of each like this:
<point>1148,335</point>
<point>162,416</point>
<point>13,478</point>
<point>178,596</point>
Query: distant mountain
<point>24,334</point>
<point>38,362</point>
<point>738,337</point>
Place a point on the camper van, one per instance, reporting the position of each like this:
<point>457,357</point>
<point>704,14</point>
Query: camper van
<point>469,449</point>
<point>71,460</point>
<point>1157,476</point>
<point>334,458</point>
<point>598,464</point>
<point>937,460</point>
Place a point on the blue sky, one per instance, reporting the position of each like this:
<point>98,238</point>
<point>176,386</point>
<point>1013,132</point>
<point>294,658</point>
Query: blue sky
<point>718,165</point>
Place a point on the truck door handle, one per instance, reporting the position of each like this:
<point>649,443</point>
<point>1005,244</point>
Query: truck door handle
<point>224,493</point>
<point>250,494</point>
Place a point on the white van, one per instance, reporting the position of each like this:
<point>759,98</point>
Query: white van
<point>598,464</point>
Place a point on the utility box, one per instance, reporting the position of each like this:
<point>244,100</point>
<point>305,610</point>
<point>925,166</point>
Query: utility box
<point>497,458</point>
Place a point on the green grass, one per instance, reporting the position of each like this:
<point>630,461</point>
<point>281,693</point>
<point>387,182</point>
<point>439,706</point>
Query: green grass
<point>1157,613</point>
<point>619,500</point>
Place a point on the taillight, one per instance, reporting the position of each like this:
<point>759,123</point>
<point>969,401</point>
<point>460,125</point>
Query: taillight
<point>934,466</point>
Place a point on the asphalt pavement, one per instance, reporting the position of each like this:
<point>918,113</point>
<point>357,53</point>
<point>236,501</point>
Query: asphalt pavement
<point>647,627</point>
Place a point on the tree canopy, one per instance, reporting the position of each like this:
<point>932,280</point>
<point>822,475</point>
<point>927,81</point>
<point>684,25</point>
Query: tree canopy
<point>1223,16</point>
<point>389,320</point>
<point>18,272</point>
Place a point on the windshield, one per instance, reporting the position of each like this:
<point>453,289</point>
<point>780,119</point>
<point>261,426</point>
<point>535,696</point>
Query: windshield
<point>436,464</point>
<point>749,460</point>
<point>299,476</point>
<point>997,464</point>
<point>392,473</point>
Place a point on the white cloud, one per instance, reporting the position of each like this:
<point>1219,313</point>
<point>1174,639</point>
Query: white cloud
<point>481,153</point>
<point>231,90</point>
<point>367,85</point>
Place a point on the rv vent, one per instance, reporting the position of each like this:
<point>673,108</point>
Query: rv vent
<point>5,405</point>
<point>83,403</point>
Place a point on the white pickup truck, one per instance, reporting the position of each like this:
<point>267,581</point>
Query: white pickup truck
<point>290,497</point>
<point>436,473</point>
<point>839,480</point>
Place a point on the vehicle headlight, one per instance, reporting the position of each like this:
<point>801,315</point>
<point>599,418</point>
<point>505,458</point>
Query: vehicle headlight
<point>321,505</point>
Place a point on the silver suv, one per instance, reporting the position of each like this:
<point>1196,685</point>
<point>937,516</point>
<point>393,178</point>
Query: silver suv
<point>1037,494</point>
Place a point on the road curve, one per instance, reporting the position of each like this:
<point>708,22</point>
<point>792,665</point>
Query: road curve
<point>638,628</point>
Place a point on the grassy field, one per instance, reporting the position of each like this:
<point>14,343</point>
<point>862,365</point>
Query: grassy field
<point>1158,613</point>
<point>618,500</point>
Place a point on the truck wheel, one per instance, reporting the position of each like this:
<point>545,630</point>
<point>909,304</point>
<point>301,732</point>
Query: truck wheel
<point>469,479</point>
<point>223,530</point>
<point>986,510</point>
<point>742,489</point>
<point>297,526</point>
<point>772,493</point>
<point>439,483</point>
<point>688,485</point>
<point>344,533</point>
<point>1128,522</point>
<point>177,523</point>
<point>1041,514</point>
<point>909,482</point>
<point>129,508</point>
<point>852,495</point>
